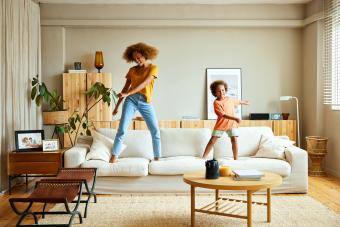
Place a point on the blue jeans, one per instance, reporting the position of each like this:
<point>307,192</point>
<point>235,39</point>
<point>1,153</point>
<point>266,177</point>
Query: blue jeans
<point>131,104</point>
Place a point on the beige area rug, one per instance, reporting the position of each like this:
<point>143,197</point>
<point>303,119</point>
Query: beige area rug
<point>174,210</point>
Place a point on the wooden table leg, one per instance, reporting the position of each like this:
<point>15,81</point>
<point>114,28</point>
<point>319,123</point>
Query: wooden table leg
<point>216,198</point>
<point>249,204</point>
<point>9,185</point>
<point>269,205</point>
<point>192,206</point>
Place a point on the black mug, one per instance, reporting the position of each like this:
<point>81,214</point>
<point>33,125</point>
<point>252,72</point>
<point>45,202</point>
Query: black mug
<point>77,65</point>
<point>212,169</point>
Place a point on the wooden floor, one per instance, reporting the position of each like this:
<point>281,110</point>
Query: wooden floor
<point>324,189</point>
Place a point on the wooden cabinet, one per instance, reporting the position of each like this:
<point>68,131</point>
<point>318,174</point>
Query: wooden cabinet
<point>279,127</point>
<point>23,164</point>
<point>74,87</point>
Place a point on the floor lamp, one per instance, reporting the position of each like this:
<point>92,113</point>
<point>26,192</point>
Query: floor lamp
<point>288,98</point>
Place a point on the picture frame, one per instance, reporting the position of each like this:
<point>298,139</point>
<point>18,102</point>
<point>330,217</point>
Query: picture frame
<point>50,145</point>
<point>232,76</point>
<point>276,116</point>
<point>29,140</point>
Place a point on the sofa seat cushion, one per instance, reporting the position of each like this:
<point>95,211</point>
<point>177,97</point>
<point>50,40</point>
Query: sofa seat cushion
<point>176,165</point>
<point>124,167</point>
<point>277,166</point>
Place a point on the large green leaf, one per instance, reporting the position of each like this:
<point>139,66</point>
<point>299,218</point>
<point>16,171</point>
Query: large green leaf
<point>34,81</point>
<point>38,100</point>
<point>42,89</point>
<point>78,118</point>
<point>47,98</point>
<point>60,129</point>
<point>33,92</point>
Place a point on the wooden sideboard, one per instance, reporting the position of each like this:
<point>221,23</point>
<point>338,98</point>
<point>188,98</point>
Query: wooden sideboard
<point>33,164</point>
<point>279,127</point>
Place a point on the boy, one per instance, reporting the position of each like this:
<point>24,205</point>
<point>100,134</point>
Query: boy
<point>224,108</point>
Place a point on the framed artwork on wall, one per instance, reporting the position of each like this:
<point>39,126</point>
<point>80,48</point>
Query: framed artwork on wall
<point>29,140</point>
<point>232,76</point>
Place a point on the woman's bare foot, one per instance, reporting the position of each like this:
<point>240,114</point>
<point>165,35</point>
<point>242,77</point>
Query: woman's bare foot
<point>156,158</point>
<point>113,159</point>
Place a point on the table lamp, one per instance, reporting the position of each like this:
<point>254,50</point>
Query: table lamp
<point>288,98</point>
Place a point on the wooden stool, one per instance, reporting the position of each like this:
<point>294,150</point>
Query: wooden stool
<point>57,191</point>
<point>85,175</point>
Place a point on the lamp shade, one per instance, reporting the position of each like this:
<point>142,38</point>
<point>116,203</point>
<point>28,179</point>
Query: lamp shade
<point>99,61</point>
<point>286,98</point>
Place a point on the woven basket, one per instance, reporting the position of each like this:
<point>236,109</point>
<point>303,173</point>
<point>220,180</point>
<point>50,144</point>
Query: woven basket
<point>316,144</point>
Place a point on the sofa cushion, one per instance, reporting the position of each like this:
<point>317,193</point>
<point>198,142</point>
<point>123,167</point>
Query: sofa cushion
<point>184,141</point>
<point>272,147</point>
<point>138,142</point>
<point>101,148</point>
<point>124,167</point>
<point>176,165</point>
<point>248,142</point>
<point>277,166</point>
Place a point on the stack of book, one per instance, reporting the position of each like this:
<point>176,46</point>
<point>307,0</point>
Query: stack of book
<point>248,174</point>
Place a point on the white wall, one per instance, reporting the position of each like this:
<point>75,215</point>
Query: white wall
<point>270,58</point>
<point>264,55</point>
<point>318,119</point>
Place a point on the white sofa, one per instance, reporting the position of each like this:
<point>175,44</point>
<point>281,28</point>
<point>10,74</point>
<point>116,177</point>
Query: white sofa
<point>136,171</point>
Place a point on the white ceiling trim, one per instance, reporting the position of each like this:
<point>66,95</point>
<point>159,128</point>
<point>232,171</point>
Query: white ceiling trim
<point>174,23</point>
<point>171,2</point>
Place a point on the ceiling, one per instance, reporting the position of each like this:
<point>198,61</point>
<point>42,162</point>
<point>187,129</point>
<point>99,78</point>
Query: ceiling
<point>208,2</point>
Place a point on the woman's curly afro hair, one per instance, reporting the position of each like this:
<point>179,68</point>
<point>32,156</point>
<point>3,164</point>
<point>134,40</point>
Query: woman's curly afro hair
<point>216,83</point>
<point>149,52</point>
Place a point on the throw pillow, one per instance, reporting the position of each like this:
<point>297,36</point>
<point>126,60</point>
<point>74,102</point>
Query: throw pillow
<point>271,147</point>
<point>101,148</point>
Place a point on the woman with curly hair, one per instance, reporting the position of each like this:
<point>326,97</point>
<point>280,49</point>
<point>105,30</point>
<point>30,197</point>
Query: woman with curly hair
<point>138,90</point>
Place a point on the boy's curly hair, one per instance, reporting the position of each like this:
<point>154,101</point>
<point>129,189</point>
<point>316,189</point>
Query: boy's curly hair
<point>149,52</point>
<point>214,85</point>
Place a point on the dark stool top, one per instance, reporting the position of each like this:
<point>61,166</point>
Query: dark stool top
<point>77,174</point>
<point>55,192</point>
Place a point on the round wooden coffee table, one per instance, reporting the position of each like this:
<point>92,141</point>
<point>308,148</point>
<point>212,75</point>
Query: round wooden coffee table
<point>221,206</point>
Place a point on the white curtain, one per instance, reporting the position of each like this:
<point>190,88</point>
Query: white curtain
<point>20,62</point>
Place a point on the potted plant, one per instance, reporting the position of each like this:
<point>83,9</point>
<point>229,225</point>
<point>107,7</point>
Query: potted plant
<point>55,114</point>
<point>78,123</point>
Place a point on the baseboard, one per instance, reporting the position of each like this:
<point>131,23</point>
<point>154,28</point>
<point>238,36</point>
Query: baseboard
<point>332,172</point>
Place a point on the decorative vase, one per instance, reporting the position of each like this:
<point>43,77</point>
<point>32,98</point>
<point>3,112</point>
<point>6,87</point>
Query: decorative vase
<point>77,65</point>
<point>99,61</point>
<point>285,116</point>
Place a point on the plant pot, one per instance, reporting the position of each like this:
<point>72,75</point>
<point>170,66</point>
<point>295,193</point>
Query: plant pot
<point>55,117</point>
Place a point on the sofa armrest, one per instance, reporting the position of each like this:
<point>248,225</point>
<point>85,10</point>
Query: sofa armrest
<point>75,156</point>
<point>298,159</point>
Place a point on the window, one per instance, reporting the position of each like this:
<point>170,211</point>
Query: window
<point>331,68</point>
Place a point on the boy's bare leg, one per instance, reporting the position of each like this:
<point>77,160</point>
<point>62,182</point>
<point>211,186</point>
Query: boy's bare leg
<point>209,146</point>
<point>234,146</point>
<point>113,159</point>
